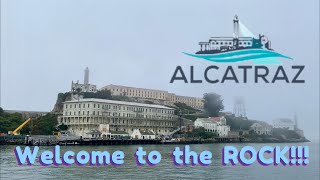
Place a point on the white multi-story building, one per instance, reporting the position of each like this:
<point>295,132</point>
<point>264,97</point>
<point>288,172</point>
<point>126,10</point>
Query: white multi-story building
<point>261,129</point>
<point>284,124</point>
<point>213,124</point>
<point>84,115</point>
<point>157,96</point>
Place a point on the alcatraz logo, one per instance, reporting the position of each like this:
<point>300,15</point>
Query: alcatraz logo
<point>238,48</point>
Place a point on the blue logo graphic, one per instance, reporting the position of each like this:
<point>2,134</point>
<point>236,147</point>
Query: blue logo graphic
<point>238,49</point>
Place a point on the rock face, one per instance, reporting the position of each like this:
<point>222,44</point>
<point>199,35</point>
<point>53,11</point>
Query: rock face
<point>62,97</point>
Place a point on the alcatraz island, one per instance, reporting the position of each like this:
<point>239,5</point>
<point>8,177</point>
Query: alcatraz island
<point>116,114</point>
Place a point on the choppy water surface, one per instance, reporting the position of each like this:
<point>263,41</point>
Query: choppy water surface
<point>164,170</point>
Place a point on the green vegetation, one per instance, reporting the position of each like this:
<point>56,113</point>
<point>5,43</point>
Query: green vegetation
<point>193,117</point>
<point>63,97</point>
<point>285,134</point>
<point>44,125</point>
<point>184,108</point>
<point>103,94</point>
<point>1,111</point>
<point>201,134</point>
<point>10,121</point>
<point>213,104</point>
<point>238,123</point>
<point>122,98</point>
<point>148,102</point>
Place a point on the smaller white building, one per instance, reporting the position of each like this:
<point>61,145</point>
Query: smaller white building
<point>261,129</point>
<point>284,124</point>
<point>83,87</point>
<point>143,134</point>
<point>213,124</point>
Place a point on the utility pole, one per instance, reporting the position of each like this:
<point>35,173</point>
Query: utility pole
<point>180,119</point>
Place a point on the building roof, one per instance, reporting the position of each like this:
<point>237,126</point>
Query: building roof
<point>96,132</point>
<point>262,124</point>
<point>146,132</point>
<point>216,119</point>
<point>231,38</point>
<point>118,132</point>
<point>205,120</point>
<point>146,89</point>
<point>284,120</point>
<point>210,119</point>
<point>120,86</point>
<point>119,102</point>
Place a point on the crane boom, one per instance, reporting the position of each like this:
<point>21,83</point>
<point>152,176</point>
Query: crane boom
<point>17,130</point>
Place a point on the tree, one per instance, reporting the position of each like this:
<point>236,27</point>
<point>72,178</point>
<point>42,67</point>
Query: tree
<point>201,133</point>
<point>10,121</point>
<point>1,111</point>
<point>213,104</point>
<point>103,94</point>
<point>44,125</point>
<point>183,108</point>
<point>78,90</point>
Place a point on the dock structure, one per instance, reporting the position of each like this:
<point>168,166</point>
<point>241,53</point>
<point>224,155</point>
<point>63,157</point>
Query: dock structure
<point>42,140</point>
<point>109,142</point>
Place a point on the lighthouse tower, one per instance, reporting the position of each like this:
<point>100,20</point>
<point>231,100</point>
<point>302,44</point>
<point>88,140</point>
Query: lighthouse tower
<point>236,27</point>
<point>235,32</point>
<point>86,76</point>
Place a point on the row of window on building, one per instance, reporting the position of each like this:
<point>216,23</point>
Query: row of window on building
<point>119,107</point>
<point>230,43</point>
<point>116,114</point>
<point>140,93</point>
<point>115,121</point>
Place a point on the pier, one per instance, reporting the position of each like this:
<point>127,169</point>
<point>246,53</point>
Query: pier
<point>42,140</point>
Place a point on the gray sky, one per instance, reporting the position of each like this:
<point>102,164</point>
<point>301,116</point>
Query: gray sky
<point>47,44</point>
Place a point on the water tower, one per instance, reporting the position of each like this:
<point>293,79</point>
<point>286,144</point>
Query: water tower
<point>239,107</point>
